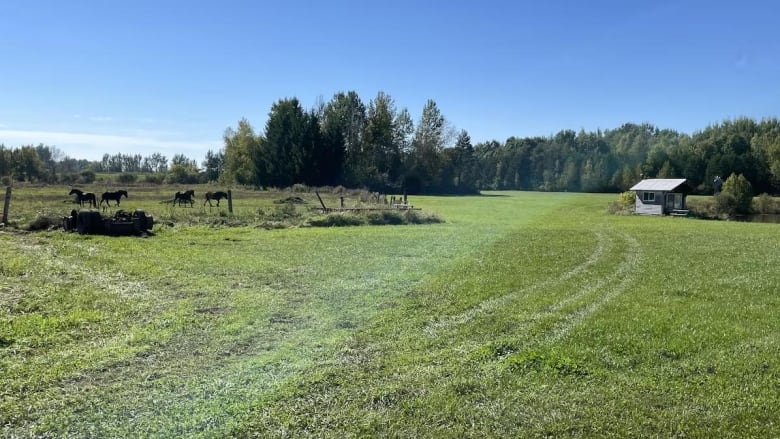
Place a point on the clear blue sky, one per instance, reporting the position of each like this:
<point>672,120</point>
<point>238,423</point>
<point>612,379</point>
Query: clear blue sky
<point>94,77</point>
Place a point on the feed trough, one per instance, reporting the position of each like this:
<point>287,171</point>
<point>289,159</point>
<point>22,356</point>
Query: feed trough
<point>90,221</point>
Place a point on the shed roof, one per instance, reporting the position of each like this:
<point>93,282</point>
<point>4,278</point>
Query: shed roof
<point>659,184</point>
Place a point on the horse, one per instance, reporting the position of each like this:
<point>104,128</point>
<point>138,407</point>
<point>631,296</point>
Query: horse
<point>215,196</point>
<point>82,197</point>
<point>112,196</point>
<point>184,197</point>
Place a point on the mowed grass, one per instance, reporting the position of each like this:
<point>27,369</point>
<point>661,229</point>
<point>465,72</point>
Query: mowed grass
<point>523,315</point>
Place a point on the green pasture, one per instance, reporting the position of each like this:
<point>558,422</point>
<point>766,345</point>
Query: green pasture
<point>521,315</point>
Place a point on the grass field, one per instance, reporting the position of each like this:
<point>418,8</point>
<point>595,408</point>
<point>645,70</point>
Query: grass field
<point>522,315</point>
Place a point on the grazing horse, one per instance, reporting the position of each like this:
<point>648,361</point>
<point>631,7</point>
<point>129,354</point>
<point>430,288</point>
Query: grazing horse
<point>112,196</point>
<point>84,197</point>
<point>215,196</point>
<point>184,197</point>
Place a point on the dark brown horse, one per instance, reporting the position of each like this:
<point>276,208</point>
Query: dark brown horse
<point>84,197</point>
<point>112,196</point>
<point>184,197</point>
<point>215,196</point>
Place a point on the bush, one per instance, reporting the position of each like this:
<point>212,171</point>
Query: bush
<point>736,197</point>
<point>725,204</point>
<point>703,208</point>
<point>6,180</point>
<point>126,178</point>
<point>625,203</point>
<point>69,178</point>
<point>765,204</point>
<point>87,177</point>
<point>154,178</point>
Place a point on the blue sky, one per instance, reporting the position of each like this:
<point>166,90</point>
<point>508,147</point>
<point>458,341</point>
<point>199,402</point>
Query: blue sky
<point>94,77</point>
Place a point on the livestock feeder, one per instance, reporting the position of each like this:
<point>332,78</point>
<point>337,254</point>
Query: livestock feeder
<point>90,221</point>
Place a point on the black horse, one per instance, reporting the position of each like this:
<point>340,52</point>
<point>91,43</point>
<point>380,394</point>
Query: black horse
<point>112,196</point>
<point>215,196</point>
<point>184,197</point>
<point>84,197</point>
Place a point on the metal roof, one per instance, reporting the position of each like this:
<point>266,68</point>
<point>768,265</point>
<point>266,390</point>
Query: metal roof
<point>659,184</point>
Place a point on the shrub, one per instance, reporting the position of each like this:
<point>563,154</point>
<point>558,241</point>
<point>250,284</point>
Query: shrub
<point>87,177</point>
<point>126,178</point>
<point>625,203</point>
<point>70,178</point>
<point>703,208</point>
<point>154,178</point>
<point>6,180</point>
<point>765,204</point>
<point>736,197</point>
<point>725,204</point>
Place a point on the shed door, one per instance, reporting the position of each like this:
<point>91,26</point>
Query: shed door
<point>673,201</point>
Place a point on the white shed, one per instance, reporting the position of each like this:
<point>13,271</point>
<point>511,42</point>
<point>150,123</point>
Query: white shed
<point>659,196</point>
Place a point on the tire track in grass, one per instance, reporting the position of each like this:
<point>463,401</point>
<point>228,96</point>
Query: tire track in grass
<point>580,292</point>
<point>594,294</point>
<point>610,287</point>
<point>498,302</point>
<point>555,321</point>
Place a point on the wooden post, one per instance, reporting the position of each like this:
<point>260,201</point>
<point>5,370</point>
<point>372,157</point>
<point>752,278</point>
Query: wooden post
<point>342,202</point>
<point>6,204</point>
<point>318,197</point>
<point>404,196</point>
<point>230,201</point>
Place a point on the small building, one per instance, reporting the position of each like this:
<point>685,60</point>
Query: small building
<point>661,196</point>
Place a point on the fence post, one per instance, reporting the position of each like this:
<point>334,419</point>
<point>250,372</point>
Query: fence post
<point>6,204</point>
<point>230,201</point>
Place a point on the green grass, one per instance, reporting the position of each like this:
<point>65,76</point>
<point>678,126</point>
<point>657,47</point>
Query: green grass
<point>524,314</point>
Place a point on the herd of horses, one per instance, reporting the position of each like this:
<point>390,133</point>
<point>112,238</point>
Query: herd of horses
<point>90,198</point>
<point>187,197</point>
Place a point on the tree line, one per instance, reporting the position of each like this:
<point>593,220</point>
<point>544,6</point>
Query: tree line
<point>345,141</point>
<point>348,142</point>
<point>47,164</point>
<point>376,145</point>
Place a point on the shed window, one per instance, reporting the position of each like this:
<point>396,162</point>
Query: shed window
<point>648,196</point>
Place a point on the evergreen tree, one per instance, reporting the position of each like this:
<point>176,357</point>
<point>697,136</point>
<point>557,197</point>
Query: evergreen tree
<point>383,152</point>
<point>286,150</point>
<point>213,165</point>
<point>346,114</point>
<point>427,146</point>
